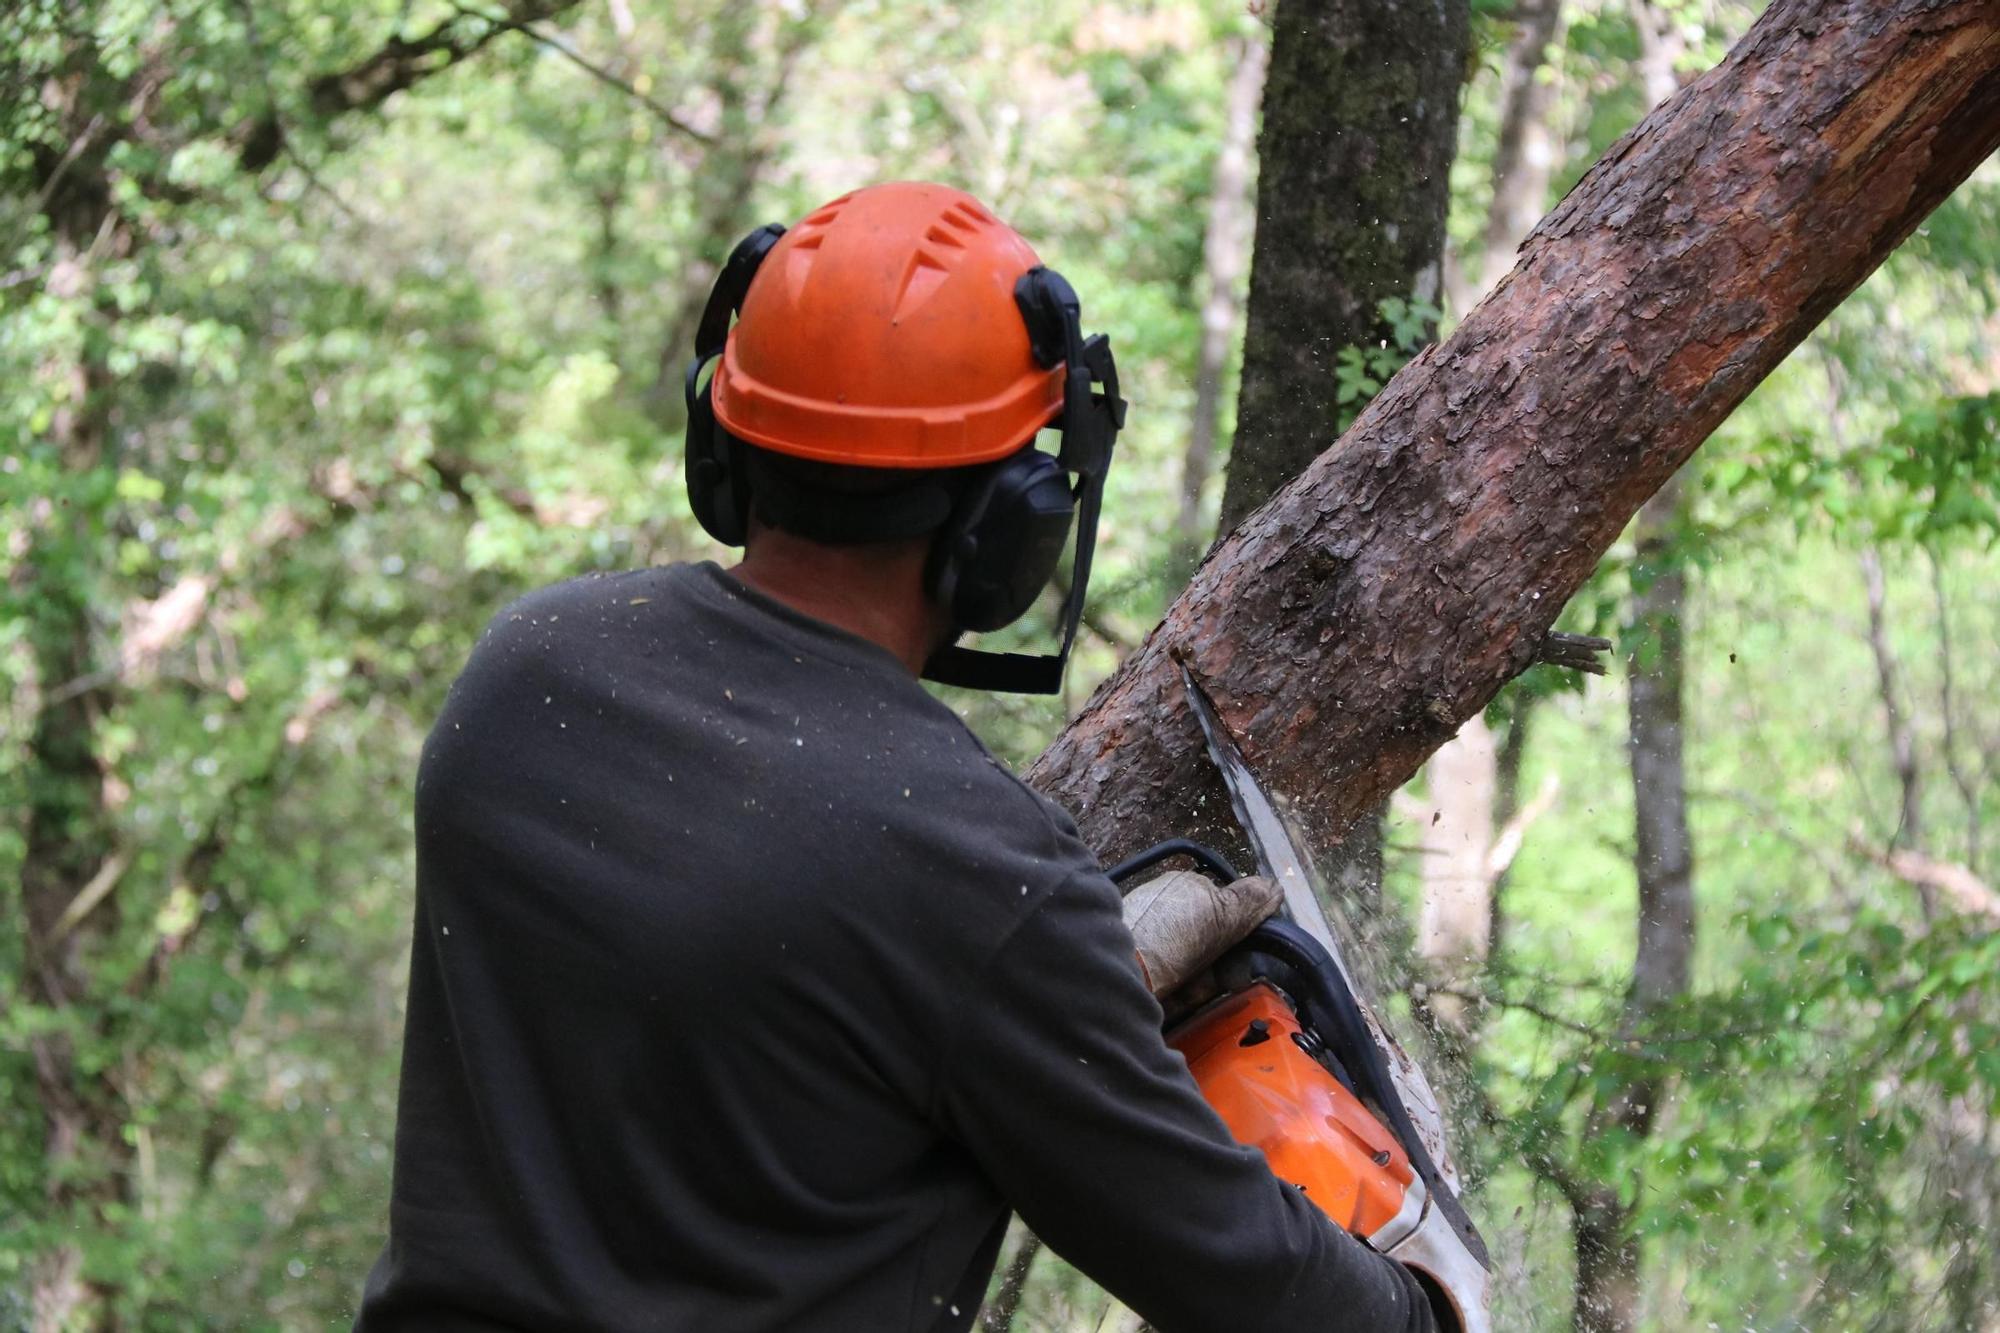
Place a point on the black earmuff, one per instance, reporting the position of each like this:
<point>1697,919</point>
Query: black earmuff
<point>713,460</point>
<point>1002,542</point>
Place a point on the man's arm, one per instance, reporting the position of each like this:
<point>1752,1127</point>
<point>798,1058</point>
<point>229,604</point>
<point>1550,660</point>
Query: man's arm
<point>1060,1085</point>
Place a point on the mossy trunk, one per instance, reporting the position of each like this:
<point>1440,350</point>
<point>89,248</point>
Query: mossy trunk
<point>1360,124</point>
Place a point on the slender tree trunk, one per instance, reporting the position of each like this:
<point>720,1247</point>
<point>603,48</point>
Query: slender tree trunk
<point>1607,1264</point>
<point>1459,917</point>
<point>999,1313</point>
<point>1455,914</point>
<point>1607,1253</point>
<point>1660,50</point>
<point>1225,249</point>
<point>1665,854</point>
<point>1506,805</point>
<point>1962,776</point>
<point>1902,742</point>
<point>1524,151</point>
<point>1360,124</point>
<point>730,170</point>
<point>1352,624</point>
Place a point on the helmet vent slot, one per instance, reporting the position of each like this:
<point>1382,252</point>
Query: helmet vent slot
<point>940,236</point>
<point>799,263</point>
<point>921,280</point>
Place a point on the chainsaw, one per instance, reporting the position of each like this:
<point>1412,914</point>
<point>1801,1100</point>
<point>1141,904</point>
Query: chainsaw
<point>1297,1064</point>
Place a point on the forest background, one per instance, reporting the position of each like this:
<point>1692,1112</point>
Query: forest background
<point>329,329</point>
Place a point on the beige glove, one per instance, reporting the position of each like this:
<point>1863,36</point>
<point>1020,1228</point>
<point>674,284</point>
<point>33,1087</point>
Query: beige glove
<point>1182,922</point>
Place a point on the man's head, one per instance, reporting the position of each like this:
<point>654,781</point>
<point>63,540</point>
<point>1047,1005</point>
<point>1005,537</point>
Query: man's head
<point>896,353</point>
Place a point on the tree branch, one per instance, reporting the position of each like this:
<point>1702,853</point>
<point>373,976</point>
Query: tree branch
<point>399,63</point>
<point>1966,891</point>
<point>666,114</point>
<point>89,897</point>
<point>1578,652</point>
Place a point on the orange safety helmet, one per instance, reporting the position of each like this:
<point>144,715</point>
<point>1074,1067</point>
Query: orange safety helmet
<point>904,327</point>
<point>884,333</point>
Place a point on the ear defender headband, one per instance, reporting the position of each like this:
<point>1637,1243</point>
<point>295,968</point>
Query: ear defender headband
<point>718,483</point>
<point>1002,535</point>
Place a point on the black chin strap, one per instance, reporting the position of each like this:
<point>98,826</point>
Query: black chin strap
<point>1090,425</point>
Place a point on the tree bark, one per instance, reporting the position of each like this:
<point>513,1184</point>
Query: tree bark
<point>1961,774</point>
<point>1360,124</point>
<point>1349,626</point>
<point>999,1313</point>
<point>1225,247</point>
<point>1506,808</point>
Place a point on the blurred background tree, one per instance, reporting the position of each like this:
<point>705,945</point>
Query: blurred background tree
<point>328,329</point>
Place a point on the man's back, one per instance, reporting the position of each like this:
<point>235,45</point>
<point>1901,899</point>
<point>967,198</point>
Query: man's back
<point>748,993</point>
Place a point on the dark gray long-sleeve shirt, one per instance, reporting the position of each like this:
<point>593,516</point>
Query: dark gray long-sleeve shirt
<point>749,993</point>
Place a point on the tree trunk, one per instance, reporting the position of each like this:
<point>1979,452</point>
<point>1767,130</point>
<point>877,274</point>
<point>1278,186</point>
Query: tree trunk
<point>1455,916</point>
<point>1664,850</point>
<point>1224,250</point>
<point>1902,742</point>
<point>1607,1253</point>
<point>1355,621</point>
<point>1607,1264</point>
<point>1506,807</point>
<point>999,1313</point>
<point>1353,187</point>
<point>1524,151</point>
<point>1360,124</point>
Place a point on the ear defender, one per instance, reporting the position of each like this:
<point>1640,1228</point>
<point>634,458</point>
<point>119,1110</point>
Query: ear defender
<point>713,460</point>
<point>1002,542</point>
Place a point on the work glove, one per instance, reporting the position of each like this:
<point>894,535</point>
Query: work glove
<point>1182,922</point>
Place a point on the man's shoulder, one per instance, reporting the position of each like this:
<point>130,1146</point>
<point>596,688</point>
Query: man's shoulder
<point>603,594</point>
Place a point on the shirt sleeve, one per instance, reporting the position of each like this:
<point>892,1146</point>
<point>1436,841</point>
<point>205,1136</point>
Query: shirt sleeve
<point>1060,1085</point>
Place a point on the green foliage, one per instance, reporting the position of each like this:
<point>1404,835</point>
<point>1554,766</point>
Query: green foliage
<point>1362,371</point>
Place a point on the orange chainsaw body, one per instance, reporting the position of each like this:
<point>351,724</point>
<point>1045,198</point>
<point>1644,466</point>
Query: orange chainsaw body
<point>1247,1054</point>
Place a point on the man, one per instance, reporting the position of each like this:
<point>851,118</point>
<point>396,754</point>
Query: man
<point>749,993</point>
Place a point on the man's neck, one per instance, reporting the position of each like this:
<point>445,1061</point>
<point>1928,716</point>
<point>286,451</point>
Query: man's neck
<point>875,591</point>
